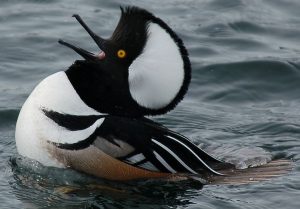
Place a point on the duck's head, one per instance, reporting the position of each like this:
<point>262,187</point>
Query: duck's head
<point>142,69</point>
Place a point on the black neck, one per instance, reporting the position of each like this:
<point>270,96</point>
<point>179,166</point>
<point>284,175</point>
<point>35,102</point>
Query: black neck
<point>106,92</point>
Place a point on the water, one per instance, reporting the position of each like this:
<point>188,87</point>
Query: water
<point>244,95</point>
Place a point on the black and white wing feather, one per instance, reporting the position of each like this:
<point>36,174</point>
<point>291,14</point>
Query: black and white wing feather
<point>141,143</point>
<point>159,149</point>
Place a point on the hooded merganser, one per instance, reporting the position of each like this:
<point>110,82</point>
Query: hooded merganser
<point>91,117</point>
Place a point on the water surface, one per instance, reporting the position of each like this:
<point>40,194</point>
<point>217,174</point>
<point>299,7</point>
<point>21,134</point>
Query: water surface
<point>245,94</point>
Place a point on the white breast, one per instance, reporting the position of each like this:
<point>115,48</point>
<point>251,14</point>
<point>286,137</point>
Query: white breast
<point>33,128</point>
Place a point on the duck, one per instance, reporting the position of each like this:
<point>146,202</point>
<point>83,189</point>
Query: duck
<point>94,116</point>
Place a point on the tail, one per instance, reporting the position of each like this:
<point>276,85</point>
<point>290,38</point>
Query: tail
<point>268,171</point>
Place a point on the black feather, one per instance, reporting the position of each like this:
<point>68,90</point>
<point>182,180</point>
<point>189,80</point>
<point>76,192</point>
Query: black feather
<point>139,134</point>
<point>103,85</point>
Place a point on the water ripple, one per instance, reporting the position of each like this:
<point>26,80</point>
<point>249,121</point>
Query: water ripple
<point>243,100</point>
<point>251,81</point>
<point>8,117</point>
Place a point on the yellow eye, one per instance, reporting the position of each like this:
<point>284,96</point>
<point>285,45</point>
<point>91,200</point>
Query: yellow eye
<point>121,53</point>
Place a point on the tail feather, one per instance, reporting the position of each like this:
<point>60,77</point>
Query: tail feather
<point>268,171</point>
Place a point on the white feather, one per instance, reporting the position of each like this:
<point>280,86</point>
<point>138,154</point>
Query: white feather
<point>192,152</point>
<point>155,77</point>
<point>148,165</point>
<point>49,130</point>
<point>33,128</point>
<point>175,156</point>
<point>163,162</point>
<point>136,158</point>
<point>57,93</point>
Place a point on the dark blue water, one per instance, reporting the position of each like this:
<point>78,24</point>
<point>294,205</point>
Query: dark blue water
<point>245,94</point>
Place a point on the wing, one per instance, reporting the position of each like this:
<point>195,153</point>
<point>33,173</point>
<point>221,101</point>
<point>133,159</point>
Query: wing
<point>145,144</point>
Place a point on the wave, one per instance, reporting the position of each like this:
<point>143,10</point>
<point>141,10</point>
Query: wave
<point>248,81</point>
<point>8,117</point>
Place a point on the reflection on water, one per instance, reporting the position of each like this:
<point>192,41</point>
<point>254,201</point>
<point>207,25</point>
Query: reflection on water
<point>36,185</point>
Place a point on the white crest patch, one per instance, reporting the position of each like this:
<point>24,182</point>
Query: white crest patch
<point>155,77</point>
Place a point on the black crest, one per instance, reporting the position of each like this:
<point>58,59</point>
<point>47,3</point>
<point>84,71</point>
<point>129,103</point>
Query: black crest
<point>103,83</point>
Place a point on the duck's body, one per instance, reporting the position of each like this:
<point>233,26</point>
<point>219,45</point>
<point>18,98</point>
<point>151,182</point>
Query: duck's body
<point>34,129</point>
<point>91,116</point>
<point>56,128</point>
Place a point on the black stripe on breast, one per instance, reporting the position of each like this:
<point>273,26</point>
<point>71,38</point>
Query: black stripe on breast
<point>72,122</point>
<point>78,145</point>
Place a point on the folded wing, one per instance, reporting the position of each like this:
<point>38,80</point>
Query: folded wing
<point>148,145</point>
